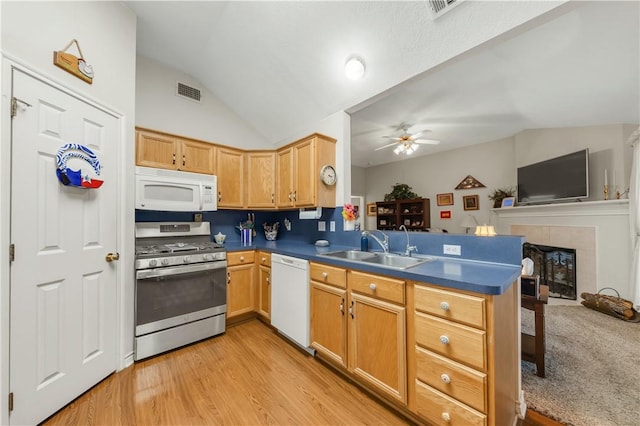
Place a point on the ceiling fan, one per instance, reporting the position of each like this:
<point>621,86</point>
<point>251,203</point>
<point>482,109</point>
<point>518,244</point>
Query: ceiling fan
<point>408,143</point>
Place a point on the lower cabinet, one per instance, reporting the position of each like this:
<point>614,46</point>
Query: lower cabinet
<point>240,283</point>
<point>359,324</point>
<point>264,285</point>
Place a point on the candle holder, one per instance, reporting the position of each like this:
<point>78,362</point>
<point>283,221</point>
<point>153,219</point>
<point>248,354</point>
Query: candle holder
<point>606,192</point>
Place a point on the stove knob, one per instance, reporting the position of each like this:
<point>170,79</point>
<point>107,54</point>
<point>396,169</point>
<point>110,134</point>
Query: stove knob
<point>165,262</point>
<point>206,257</point>
<point>153,262</point>
<point>186,259</point>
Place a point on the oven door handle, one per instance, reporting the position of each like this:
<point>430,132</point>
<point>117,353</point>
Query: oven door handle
<point>183,269</point>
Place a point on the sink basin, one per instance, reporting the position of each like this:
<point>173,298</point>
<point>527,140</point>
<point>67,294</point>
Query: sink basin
<point>350,254</point>
<point>396,261</point>
<point>387,260</point>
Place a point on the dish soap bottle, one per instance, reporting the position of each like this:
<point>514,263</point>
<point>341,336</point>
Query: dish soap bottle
<point>364,242</point>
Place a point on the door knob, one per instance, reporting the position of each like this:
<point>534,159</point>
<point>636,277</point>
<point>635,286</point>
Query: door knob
<point>112,256</point>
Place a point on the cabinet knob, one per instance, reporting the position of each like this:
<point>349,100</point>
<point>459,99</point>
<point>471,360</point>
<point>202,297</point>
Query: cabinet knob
<point>267,280</point>
<point>241,258</point>
<point>444,340</point>
<point>444,306</point>
<point>445,378</point>
<point>264,260</point>
<point>325,275</point>
<point>372,287</point>
<point>446,417</point>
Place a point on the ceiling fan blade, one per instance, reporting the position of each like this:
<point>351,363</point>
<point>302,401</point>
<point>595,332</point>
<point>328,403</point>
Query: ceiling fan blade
<point>392,137</point>
<point>427,141</point>
<point>386,146</point>
<point>417,135</point>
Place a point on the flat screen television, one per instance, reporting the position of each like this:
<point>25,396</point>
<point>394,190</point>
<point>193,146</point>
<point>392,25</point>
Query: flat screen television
<point>558,179</point>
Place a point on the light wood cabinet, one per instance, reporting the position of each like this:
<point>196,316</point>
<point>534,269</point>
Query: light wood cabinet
<point>264,285</point>
<point>240,283</point>
<point>260,179</point>
<point>458,343</point>
<point>377,333</point>
<point>298,170</point>
<point>328,319</point>
<point>164,151</point>
<point>230,172</point>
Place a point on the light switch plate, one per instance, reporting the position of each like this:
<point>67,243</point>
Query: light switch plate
<point>322,225</point>
<point>332,226</point>
<point>451,249</point>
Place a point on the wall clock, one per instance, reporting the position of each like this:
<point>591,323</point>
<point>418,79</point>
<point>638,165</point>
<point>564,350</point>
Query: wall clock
<point>328,175</point>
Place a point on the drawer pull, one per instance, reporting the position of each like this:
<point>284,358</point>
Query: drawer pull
<point>325,275</point>
<point>444,306</point>
<point>445,378</point>
<point>241,258</point>
<point>446,417</point>
<point>372,286</point>
<point>444,340</point>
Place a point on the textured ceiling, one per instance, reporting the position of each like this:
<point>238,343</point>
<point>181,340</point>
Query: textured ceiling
<point>278,65</point>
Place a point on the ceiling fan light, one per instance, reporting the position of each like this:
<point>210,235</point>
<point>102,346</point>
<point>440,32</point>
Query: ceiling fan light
<point>398,150</point>
<point>354,68</point>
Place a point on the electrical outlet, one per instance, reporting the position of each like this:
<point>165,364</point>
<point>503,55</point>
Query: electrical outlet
<point>451,249</point>
<point>332,226</point>
<point>322,226</point>
<point>197,217</point>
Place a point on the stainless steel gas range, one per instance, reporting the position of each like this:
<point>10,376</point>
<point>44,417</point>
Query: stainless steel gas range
<point>180,287</point>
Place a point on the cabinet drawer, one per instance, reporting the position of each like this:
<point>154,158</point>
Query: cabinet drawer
<point>377,286</point>
<point>240,257</point>
<point>456,380</point>
<point>264,258</point>
<point>440,409</point>
<point>456,341</point>
<point>458,307</point>
<point>328,274</point>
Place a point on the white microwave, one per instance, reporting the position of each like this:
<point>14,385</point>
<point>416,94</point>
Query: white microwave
<point>174,191</point>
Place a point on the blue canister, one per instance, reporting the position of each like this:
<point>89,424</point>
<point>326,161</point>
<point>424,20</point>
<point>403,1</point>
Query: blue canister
<point>364,242</point>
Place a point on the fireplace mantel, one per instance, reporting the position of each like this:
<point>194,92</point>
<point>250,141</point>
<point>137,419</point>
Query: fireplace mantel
<point>585,208</point>
<point>598,229</point>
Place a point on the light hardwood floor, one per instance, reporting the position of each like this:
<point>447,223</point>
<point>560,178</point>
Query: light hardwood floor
<point>247,376</point>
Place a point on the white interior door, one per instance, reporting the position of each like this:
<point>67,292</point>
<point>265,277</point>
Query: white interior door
<point>63,291</point>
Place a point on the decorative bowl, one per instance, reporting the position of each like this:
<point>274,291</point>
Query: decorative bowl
<point>271,235</point>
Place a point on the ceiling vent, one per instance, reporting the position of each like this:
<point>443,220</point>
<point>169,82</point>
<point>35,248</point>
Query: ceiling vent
<point>440,7</point>
<point>188,92</point>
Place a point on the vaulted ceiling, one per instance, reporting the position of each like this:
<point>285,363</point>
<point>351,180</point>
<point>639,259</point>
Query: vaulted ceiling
<point>278,65</point>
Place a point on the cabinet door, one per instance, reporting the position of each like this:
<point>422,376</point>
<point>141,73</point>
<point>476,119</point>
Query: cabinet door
<point>284,171</point>
<point>305,174</point>
<point>264,292</point>
<point>377,345</point>
<point>197,157</point>
<point>261,180</point>
<point>229,169</point>
<point>156,150</point>
<point>329,321</point>
<point>239,290</point>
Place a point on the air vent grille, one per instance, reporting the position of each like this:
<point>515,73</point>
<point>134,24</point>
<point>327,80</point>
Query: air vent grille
<point>188,92</point>
<point>440,7</point>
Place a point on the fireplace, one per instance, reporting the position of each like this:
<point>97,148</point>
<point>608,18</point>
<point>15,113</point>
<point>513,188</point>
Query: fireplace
<point>556,267</point>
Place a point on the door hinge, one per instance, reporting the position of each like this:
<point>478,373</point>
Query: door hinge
<point>11,401</point>
<point>12,252</point>
<point>14,105</point>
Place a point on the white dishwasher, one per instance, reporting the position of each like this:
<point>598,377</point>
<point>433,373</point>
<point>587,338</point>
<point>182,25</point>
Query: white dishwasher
<point>290,298</point>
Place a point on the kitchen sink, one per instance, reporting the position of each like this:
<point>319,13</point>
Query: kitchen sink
<point>387,260</point>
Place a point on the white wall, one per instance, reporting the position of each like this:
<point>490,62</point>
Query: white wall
<point>491,163</point>
<point>158,108</point>
<point>106,31</point>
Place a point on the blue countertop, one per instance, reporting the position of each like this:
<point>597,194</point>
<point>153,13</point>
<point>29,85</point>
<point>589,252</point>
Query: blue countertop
<point>459,274</point>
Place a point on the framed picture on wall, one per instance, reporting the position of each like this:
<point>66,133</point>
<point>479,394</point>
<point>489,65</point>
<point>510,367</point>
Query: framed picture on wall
<point>508,201</point>
<point>371,209</point>
<point>445,214</point>
<point>445,199</point>
<point>471,202</point>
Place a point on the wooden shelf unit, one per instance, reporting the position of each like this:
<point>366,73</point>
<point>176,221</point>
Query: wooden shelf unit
<point>415,214</point>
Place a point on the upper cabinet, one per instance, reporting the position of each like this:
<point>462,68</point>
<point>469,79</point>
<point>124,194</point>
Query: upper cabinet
<point>230,172</point>
<point>163,151</point>
<point>298,168</point>
<point>260,180</point>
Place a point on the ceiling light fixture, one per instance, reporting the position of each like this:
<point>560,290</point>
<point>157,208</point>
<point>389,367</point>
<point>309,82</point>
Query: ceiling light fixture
<point>354,68</point>
<point>406,147</point>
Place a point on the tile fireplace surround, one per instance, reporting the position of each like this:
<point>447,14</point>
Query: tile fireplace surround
<point>597,230</point>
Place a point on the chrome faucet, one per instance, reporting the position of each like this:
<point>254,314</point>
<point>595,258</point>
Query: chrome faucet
<point>409,248</point>
<point>384,244</point>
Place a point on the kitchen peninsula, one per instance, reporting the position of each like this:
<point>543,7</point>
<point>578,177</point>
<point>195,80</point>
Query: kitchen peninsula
<point>429,339</point>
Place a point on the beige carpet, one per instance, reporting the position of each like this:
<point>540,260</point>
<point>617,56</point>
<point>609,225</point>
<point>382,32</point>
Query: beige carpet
<point>592,368</point>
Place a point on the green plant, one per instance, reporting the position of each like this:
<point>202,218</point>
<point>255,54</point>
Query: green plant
<point>400,191</point>
<point>497,195</point>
